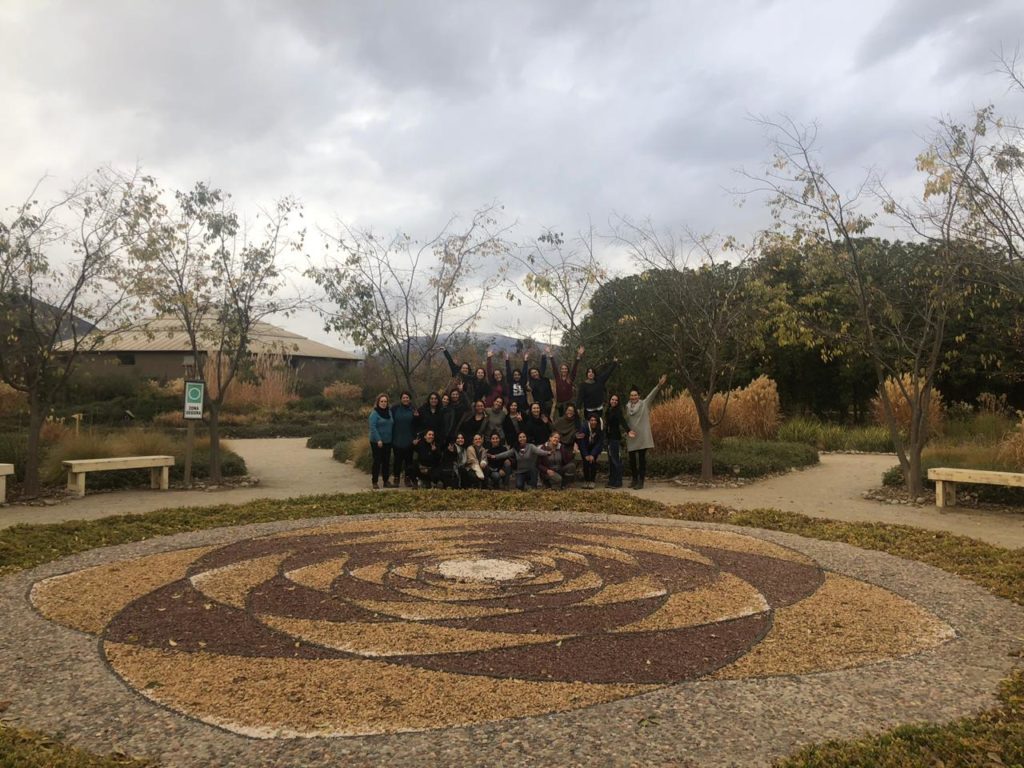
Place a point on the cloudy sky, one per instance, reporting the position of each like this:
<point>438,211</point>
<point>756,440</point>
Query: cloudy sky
<point>399,114</point>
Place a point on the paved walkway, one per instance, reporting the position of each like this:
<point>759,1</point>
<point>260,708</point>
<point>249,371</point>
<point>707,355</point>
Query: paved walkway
<point>286,468</point>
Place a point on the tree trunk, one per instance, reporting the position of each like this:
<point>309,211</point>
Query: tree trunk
<point>704,419</point>
<point>706,473</point>
<point>915,484</point>
<point>35,427</point>
<point>215,476</point>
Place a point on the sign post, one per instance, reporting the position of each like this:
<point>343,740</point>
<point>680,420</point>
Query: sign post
<point>195,394</point>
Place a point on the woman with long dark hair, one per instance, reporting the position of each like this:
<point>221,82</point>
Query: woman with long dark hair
<point>614,427</point>
<point>381,431</point>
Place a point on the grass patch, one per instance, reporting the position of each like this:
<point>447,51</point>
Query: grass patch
<point>836,437</point>
<point>994,737</point>
<point>736,456</point>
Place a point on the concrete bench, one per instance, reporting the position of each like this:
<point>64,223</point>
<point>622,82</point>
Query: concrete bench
<point>946,480</point>
<point>5,470</point>
<point>159,466</point>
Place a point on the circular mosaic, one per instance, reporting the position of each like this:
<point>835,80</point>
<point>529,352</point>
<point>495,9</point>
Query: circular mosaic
<point>378,626</point>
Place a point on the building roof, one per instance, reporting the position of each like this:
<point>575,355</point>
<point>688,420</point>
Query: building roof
<point>165,334</point>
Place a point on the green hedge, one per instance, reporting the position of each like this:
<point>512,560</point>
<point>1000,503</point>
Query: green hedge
<point>738,457</point>
<point>331,437</point>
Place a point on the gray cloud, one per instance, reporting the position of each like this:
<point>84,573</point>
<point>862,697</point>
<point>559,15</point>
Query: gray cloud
<point>398,114</point>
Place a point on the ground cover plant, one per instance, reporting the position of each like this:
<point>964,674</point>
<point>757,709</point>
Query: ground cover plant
<point>994,737</point>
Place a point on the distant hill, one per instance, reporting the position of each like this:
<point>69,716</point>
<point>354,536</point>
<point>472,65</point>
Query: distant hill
<point>499,342</point>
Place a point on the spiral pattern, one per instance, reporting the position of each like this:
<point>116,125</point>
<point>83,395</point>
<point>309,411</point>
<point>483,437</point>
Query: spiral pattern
<point>388,625</point>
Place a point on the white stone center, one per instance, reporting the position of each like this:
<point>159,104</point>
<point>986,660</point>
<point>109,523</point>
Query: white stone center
<point>485,569</point>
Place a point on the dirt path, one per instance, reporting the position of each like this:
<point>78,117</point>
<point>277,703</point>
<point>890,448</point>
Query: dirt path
<point>284,466</point>
<point>287,468</point>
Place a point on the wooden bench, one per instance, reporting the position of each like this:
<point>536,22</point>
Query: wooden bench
<point>5,470</point>
<point>946,480</point>
<point>159,466</point>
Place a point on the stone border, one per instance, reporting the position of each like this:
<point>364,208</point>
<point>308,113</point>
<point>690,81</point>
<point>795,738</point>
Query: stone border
<point>57,683</point>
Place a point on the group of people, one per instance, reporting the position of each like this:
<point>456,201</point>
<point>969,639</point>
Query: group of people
<point>512,428</point>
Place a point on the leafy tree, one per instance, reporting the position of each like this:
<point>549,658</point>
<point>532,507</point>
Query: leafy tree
<point>697,309</point>
<point>403,299</point>
<point>194,261</point>
<point>891,302</point>
<point>61,272</point>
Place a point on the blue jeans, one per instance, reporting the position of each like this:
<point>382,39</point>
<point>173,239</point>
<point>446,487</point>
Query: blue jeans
<point>615,463</point>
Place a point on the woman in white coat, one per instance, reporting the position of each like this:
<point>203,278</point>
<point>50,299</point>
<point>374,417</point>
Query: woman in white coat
<point>639,438</point>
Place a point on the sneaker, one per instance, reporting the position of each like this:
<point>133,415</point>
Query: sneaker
<point>408,482</point>
<point>376,485</point>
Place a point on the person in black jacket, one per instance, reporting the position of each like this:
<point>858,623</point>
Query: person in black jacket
<point>536,425</point>
<point>460,371</point>
<point>454,415</point>
<point>429,454</point>
<point>539,386</point>
<point>614,427</point>
<point>592,389</point>
<point>431,415</point>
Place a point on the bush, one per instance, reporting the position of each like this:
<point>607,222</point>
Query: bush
<point>14,450</point>
<point>11,400</point>
<point>329,438</point>
<point>1011,449</point>
<point>752,458</point>
<point>269,383</point>
<point>356,450</point>
<point>752,411</point>
<point>836,437</point>
<point>342,392</point>
<point>96,445</point>
<point>901,407</point>
<point>273,429</point>
<point>983,427</point>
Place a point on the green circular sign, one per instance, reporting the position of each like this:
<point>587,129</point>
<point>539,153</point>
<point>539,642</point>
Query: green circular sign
<point>194,393</point>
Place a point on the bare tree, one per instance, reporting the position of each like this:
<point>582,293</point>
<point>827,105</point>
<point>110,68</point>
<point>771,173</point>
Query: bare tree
<point>890,302</point>
<point>557,277</point>
<point>198,263</point>
<point>700,306</point>
<point>403,299</point>
<point>61,274</point>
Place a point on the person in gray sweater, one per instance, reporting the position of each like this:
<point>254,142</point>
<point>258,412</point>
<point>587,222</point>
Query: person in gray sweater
<point>639,438</point>
<point>526,455</point>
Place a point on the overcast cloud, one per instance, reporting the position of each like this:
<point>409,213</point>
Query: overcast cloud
<point>398,114</point>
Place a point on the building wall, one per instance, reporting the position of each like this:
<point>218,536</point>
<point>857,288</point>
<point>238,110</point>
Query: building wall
<point>169,365</point>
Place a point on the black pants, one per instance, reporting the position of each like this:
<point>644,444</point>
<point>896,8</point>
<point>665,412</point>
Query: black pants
<point>403,460</point>
<point>430,476</point>
<point>638,464</point>
<point>381,461</point>
<point>589,470</point>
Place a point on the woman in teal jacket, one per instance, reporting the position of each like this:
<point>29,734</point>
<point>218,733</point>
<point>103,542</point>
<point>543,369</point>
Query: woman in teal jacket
<point>381,432</point>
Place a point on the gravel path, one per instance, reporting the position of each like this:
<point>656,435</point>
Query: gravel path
<point>286,468</point>
<point>56,680</point>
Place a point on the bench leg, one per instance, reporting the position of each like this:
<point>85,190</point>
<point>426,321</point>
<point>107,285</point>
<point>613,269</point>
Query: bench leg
<point>165,478</point>
<point>76,483</point>
<point>945,493</point>
<point>3,488</point>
